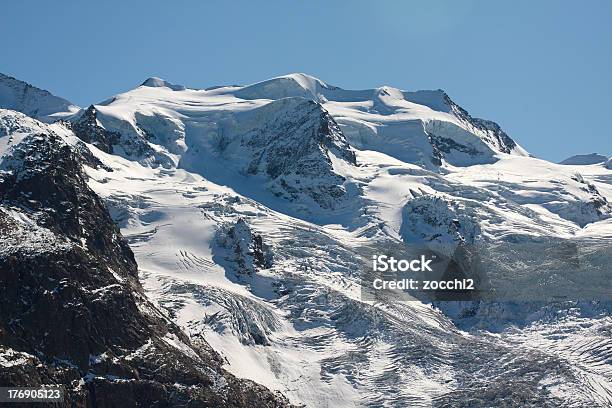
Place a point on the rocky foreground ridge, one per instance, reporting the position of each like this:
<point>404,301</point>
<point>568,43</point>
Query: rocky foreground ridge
<point>72,310</point>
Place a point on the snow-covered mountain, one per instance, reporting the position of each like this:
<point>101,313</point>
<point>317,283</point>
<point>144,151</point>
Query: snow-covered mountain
<point>424,127</point>
<point>585,159</point>
<point>37,103</point>
<point>253,212</point>
<point>73,310</point>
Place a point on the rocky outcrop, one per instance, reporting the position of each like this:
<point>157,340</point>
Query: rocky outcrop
<point>294,151</point>
<point>89,130</point>
<point>292,148</point>
<point>72,310</point>
<point>489,131</point>
<point>589,206</point>
<point>443,146</point>
<point>243,249</point>
<point>429,218</point>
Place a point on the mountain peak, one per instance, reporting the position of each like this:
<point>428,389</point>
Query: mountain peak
<point>585,159</point>
<point>35,102</point>
<point>305,80</point>
<point>290,85</point>
<point>155,82</point>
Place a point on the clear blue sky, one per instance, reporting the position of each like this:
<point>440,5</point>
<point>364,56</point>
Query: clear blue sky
<point>542,69</point>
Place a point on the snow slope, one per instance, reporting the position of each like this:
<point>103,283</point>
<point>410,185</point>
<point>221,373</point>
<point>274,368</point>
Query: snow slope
<point>37,103</point>
<point>593,158</point>
<point>253,213</point>
<point>72,309</point>
<point>298,324</point>
<point>423,127</point>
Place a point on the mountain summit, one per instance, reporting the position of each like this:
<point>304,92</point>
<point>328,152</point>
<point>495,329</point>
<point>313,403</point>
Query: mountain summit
<point>156,82</point>
<point>37,103</point>
<point>423,127</point>
<point>585,159</point>
<point>174,247</point>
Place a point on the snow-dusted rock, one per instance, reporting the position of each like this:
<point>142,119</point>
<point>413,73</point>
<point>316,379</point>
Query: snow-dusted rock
<point>424,127</point>
<point>244,250</point>
<point>589,205</point>
<point>324,178</point>
<point>72,308</point>
<point>431,218</point>
<point>292,144</point>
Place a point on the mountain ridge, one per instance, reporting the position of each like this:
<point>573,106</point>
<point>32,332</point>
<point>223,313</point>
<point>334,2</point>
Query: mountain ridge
<point>585,159</point>
<point>35,102</point>
<point>73,310</point>
<point>254,221</point>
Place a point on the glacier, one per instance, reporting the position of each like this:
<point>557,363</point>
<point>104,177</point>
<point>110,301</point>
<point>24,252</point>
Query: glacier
<point>252,212</point>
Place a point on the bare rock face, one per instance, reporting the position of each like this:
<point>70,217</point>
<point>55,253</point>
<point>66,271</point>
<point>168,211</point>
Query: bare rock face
<point>72,310</point>
<point>294,151</point>
<point>490,132</point>
<point>89,130</point>
<point>291,145</point>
